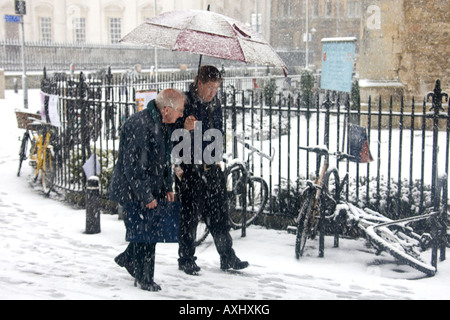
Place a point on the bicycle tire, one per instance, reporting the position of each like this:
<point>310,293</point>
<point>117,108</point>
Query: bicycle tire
<point>304,218</point>
<point>382,238</point>
<point>48,172</point>
<point>23,151</point>
<point>257,193</point>
<point>201,234</point>
<point>234,179</point>
<point>334,182</point>
<point>34,156</point>
<point>257,196</point>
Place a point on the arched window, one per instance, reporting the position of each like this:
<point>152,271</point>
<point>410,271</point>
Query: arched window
<point>44,16</point>
<point>114,17</point>
<point>76,23</point>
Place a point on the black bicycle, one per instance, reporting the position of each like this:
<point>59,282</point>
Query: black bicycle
<point>320,199</point>
<point>25,121</point>
<point>322,202</point>
<point>247,195</point>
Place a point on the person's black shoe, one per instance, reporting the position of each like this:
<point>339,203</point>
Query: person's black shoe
<point>150,286</point>
<point>232,263</point>
<point>123,261</point>
<point>189,267</point>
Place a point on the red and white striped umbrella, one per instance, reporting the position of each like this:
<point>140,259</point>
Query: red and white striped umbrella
<point>205,33</point>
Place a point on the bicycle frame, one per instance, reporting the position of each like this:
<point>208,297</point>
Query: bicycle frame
<point>400,241</point>
<point>40,151</point>
<point>42,154</point>
<point>321,180</point>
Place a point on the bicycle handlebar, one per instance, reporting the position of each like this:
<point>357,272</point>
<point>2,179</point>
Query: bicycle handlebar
<point>255,150</point>
<point>323,151</point>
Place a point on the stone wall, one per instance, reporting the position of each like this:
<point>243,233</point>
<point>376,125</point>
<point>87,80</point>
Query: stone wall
<point>404,43</point>
<point>425,54</point>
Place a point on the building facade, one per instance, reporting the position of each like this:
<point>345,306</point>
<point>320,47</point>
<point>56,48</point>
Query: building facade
<point>405,46</point>
<point>106,21</point>
<point>294,22</point>
<point>402,46</point>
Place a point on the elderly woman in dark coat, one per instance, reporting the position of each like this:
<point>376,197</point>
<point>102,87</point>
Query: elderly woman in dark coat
<point>142,178</point>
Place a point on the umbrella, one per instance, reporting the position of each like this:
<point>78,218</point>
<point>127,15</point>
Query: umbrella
<point>205,33</point>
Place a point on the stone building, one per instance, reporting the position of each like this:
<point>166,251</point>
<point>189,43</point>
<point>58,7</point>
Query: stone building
<point>106,21</point>
<point>403,46</point>
<point>326,19</point>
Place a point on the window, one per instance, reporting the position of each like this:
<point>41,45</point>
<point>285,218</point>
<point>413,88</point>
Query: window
<point>46,29</point>
<point>257,22</point>
<point>287,9</point>
<point>316,8</point>
<point>354,9</point>
<point>329,9</point>
<point>79,27</point>
<point>115,31</point>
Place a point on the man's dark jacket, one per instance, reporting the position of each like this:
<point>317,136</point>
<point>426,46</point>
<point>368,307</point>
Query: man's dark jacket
<point>209,113</point>
<point>142,172</point>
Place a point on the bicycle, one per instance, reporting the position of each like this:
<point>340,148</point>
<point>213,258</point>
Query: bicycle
<point>247,194</point>
<point>42,155</point>
<point>395,237</point>
<point>319,200</point>
<point>23,122</point>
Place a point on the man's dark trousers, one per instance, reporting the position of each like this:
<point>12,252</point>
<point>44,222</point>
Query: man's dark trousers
<point>203,193</point>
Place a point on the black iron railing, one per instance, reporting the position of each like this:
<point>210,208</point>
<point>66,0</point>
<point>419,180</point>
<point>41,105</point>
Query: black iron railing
<point>409,144</point>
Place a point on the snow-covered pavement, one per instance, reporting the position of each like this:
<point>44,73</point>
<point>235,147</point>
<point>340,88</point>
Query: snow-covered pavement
<point>44,254</point>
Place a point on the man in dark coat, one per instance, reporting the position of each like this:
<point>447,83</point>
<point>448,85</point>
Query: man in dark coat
<point>142,178</point>
<point>202,188</point>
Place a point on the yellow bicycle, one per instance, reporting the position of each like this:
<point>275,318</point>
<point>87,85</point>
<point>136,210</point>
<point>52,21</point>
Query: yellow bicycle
<point>42,155</point>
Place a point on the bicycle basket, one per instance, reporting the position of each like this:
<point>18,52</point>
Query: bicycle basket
<point>23,118</point>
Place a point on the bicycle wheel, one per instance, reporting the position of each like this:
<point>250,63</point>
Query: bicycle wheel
<point>256,191</point>
<point>48,171</point>
<point>304,222</point>
<point>235,183</point>
<point>201,233</point>
<point>35,156</point>
<point>23,150</point>
<point>258,194</point>
<point>330,197</point>
<point>332,185</point>
<point>401,242</point>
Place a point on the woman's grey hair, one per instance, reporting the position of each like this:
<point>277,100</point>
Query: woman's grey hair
<point>170,98</point>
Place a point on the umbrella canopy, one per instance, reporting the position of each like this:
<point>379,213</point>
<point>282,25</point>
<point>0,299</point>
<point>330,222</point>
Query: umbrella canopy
<point>205,33</point>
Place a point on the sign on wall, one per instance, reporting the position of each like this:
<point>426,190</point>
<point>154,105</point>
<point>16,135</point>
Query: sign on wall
<point>337,64</point>
<point>143,98</point>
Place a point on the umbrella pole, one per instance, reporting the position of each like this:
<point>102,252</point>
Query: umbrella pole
<point>198,72</point>
<point>200,61</point>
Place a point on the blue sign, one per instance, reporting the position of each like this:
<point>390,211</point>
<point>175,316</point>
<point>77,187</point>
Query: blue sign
<point>337,64</point>
<point>10,18</point>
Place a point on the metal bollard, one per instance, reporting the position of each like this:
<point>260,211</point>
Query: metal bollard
<point>16,85</point>
<point>2,84</point>
<point>92,206</point>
